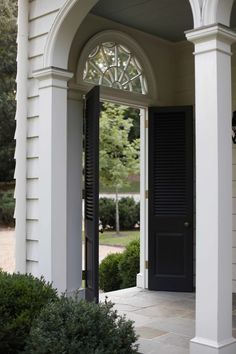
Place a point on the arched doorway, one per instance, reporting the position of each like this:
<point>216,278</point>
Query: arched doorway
<point>216,323</point>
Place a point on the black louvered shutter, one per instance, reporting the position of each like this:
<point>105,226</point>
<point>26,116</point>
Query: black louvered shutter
<point>91,193</point>
<point>171,198</point>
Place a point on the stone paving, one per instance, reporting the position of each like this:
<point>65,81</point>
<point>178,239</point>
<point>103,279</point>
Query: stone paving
<point>165,321</point>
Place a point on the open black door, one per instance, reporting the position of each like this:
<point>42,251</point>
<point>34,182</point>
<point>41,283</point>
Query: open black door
<point>171,198</point>
<point>91,193</point>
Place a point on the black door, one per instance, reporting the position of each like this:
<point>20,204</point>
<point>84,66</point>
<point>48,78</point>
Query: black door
<point>171,198</point>
<point>91,193</point>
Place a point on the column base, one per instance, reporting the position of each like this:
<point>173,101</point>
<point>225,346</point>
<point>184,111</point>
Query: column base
<point>140,281</point>
<point>203,346</point>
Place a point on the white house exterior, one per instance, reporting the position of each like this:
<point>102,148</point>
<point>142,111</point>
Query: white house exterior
<point>54,39</point>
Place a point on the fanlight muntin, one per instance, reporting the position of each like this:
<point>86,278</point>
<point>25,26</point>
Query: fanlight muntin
<point>113,65</point>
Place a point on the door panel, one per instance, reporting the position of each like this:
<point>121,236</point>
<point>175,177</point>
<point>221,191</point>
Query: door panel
<point>171,198</point>
<point>91,193</point>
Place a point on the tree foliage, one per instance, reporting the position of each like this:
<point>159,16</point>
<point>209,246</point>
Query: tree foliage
<point>119,157</point>
<point>8,30</point>
<point>134,114</point>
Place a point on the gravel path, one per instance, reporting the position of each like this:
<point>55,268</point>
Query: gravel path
<point>7,250</point>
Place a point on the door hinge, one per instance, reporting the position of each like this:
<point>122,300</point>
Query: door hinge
<point>146,264</point>
<point>146,194</point>
<point>146,124</point>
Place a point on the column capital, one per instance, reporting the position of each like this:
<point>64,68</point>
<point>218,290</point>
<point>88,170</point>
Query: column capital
<point>210,38</point>
<point>53,76</point>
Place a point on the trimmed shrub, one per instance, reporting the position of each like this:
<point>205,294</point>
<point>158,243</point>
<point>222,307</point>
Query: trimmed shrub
<point>129,213</point>
<point>69,326</point>
<point>7,206</point>
<point>21,299</point>
<point>107,212</point>
<point>129,264</point>
<point>109,275</point>
<point>119,270</point>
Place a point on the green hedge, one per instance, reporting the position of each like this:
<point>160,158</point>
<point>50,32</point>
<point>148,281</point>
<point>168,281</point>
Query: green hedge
<point>21,299</point>
<point>129,212</point>
<point>107,212</point>
<point>119,270</point>
<point>7,206</point>
<point>71,327</point>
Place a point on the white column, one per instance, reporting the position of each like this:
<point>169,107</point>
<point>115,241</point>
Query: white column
<point>53,175</point>
<point>214,190</point>
<point>74,190</point>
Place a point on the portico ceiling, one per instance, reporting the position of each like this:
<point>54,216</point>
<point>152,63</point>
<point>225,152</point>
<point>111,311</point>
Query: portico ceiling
<point>167,19</point>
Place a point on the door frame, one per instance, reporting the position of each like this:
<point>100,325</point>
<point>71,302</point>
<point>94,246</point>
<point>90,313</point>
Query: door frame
<point>132,101</point>
<point>142,276</point>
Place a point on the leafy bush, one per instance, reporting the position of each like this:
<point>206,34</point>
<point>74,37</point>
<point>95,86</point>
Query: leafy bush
<point>119,270</point>
<point>129,213</point>
<point>107,212</point>
<point>129,264</point>
<point>109,276</point>
<point>21,299</point>
<point>68,326</point>
<point>7,206</point>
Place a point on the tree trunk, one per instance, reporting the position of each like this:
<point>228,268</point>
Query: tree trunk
<point>117,214</point>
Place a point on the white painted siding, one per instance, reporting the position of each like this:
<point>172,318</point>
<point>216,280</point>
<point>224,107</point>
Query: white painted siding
<point>42,14</point>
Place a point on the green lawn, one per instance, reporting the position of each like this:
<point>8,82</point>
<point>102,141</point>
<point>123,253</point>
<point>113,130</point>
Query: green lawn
<point>110,238</point>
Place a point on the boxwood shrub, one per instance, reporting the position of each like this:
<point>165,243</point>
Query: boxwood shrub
<point>119,270</point>
<point>130,264</point>
<point>71,327</point>
<point>109,274</point>
<point>21,299</point>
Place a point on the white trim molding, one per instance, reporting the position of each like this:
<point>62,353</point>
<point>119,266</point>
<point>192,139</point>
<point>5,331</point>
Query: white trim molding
<point>52,76</point>
<point>21,131</point>
<point>62,33</point>
<point>217,11</point>
<point>196,6</point>
<point>207,12</point>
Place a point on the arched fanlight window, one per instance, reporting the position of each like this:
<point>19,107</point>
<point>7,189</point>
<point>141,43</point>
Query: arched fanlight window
<point>113,65</point>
